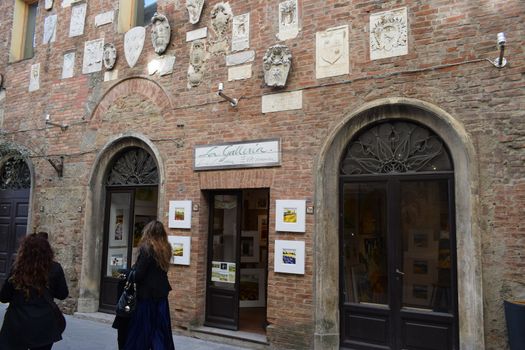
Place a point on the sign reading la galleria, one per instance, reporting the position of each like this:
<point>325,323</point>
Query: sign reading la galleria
<point>246,154</point>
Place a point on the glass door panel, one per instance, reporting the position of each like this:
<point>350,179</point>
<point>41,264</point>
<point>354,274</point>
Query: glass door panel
<point>365,243</point>
<point>119,229</point>
<point>426,251</point>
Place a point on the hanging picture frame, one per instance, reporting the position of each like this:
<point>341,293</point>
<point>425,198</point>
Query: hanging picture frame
<point>180,249</point>
<point>289,257</point>
<point>290,215</point>
<point>179,214</point>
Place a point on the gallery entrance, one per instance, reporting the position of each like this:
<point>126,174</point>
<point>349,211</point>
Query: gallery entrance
<point>397,233</point>
<point>131,202</point>
<point>15,184</point>
<point>237,260</point>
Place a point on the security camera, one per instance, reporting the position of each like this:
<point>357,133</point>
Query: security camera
<point>501,39</point>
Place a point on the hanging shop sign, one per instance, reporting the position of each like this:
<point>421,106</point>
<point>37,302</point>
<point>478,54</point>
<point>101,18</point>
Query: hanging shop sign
<point>246,154</point>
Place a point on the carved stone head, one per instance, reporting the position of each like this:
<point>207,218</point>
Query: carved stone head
<point>160,33</point>
<point>277,61</point>
<point>109,56</point>
<point>221,15</point>
<point>194,8</point>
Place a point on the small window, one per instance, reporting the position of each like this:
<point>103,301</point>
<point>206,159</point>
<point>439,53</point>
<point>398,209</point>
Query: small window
<point>23,35</point>
<point>134,13</point>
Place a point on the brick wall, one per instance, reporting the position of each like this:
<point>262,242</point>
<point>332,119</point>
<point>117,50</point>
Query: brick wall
<point>445,66</point>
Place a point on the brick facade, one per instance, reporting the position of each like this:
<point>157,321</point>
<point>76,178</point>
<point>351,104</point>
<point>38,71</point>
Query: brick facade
<point>447,66</point>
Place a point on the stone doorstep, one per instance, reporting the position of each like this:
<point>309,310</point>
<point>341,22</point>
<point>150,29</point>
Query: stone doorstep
<point>237,338</point>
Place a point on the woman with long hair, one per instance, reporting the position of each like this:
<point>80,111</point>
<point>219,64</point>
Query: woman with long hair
<point>30,321</point>
<point>150,325</point>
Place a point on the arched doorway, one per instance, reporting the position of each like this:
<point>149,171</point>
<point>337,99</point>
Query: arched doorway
<point>398,286</point>
<point>15,186</point>
<point>131,187</point>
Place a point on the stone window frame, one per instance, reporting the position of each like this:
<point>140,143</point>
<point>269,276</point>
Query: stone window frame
<point>21,30</point>
<point>129,14</point>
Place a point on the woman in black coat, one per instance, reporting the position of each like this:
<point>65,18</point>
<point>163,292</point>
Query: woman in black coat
<point>30,321</point>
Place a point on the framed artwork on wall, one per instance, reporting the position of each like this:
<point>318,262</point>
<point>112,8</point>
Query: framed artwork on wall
<point>249,246</point>
<point>252,292</point>
<point>289,257</point>
<point>180,214</point>
<point>290,215</point>
<point>118,227</point>
<point>180,249</point>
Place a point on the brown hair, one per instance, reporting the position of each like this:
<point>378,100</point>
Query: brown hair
<point>32,264</point>
<point>155,240</point>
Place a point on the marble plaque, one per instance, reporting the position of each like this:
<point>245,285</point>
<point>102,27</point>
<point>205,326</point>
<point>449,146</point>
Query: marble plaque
<point>50,29</point>
<point>288,20</point>
<point>104,18</point>
<point>93,54</point>
<point>133,44</point>
<point>197,34</point>
<point>241,32</point>
<point>34,77</point>
<point>240,72</point>
<point>331,50</point>
<point>240,58</point>
<point>284,101</point>
<point>68,67</point>
<point>78,19</point>
<point>48,4</point>
<point>388,34</point>
<point>111,75</point>
<point>162,65</point>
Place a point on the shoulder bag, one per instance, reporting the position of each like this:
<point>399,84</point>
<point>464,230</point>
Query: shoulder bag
<point>128,299</point>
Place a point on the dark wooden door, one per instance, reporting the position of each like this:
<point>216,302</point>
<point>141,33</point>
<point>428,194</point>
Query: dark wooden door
<point>118,234</point>
<point>398,280</point>
<point>14,205</point>
<point>222,294</point>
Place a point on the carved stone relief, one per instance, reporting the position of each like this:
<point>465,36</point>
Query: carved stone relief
<point>93,52</point>
<point>48,5</point>
<point>160,33</point>
<point>288,20</point>
<point>277,61</point>
<point>194,8</point>
<point>50,29</point>
<point>221,16</point>
<point>34,77</point>
<point>68,67</point>
<point>78,19</point>
<point>133,44</point>
<point>241,32</point>
<point>109,56</point>
<point>332,52</point>
<point>388,34</point>
<point>198,56</point>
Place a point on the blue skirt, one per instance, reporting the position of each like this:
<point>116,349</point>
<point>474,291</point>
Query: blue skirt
<point>150,326</point>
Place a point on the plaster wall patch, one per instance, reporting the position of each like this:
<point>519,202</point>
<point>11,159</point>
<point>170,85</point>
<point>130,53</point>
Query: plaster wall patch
<point>331,49</point>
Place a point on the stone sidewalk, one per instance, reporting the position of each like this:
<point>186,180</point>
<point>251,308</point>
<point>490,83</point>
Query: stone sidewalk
<point>82,334</point>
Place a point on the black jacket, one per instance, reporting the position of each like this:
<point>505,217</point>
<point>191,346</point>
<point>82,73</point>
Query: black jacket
<point>152,281</point>
<point>31,322</point>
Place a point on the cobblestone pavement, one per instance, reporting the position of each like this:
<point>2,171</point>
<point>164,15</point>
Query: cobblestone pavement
<point>83,334</point>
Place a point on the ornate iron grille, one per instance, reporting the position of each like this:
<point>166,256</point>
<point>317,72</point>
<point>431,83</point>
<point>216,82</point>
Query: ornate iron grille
<point>395,147</point>
<point>15,175</point>
<point>134,167</point>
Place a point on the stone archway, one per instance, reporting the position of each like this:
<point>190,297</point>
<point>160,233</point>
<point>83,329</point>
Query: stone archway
<point>94,215</point>
<point>326,241</point>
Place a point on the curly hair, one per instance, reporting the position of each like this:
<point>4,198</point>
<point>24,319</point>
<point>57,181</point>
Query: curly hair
<point>32,264</point>
<point>155,240</point>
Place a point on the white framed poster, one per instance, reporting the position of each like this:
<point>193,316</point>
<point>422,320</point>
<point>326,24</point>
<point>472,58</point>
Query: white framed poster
<point>289,257</point>
<point>180,214</point>
<point>251,292</point>
<point>180,249</point>
<point>117,260</point>
<point>290,215</point>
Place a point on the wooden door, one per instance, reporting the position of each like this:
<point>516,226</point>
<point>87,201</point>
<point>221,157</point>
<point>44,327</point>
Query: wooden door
<point>222,293</point>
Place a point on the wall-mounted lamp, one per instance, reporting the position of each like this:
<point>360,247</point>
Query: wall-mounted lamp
<point>233,101</point>
<point>62,127</point>
<point>500,62</point>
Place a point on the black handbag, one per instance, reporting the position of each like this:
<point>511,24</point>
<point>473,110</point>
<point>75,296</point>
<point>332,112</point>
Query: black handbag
<point>128,299</point>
